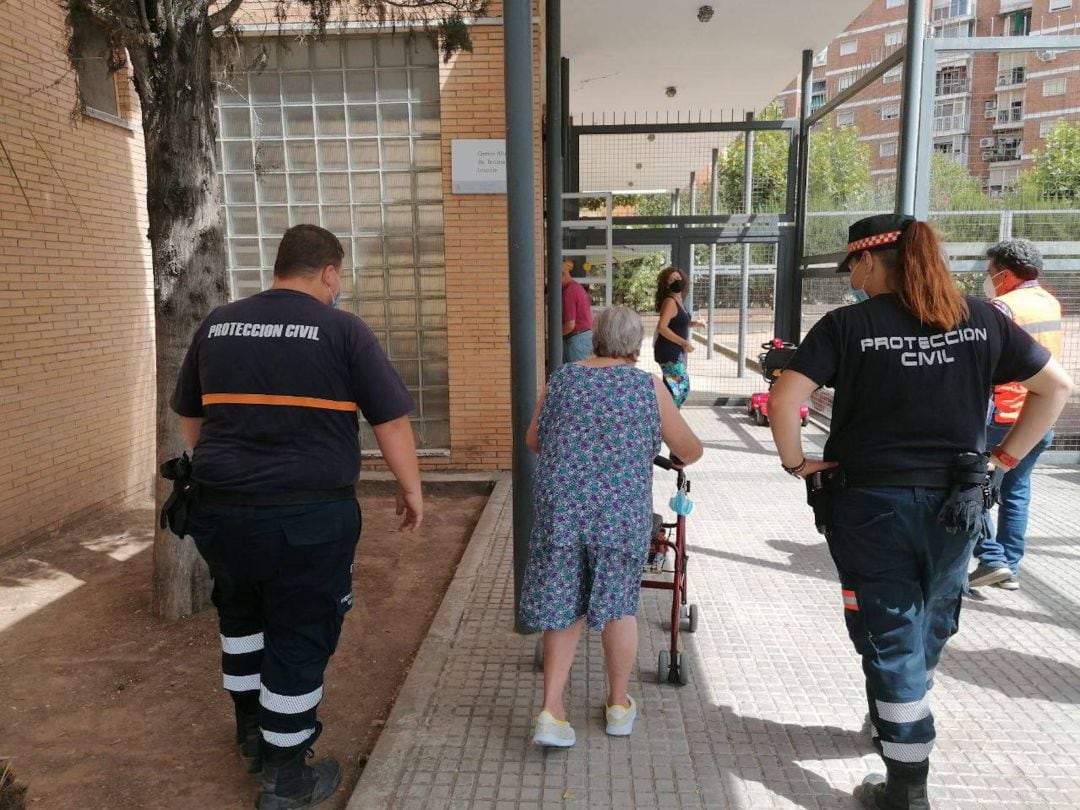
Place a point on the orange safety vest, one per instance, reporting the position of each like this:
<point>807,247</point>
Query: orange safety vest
<point>1039,314</point>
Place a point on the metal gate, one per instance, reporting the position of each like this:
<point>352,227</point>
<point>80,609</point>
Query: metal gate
<point>705,197</point>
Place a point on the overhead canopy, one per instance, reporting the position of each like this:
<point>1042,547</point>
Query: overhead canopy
<point>625,54</point>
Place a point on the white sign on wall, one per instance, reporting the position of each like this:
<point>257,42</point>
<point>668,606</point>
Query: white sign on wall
<point>478,166</point>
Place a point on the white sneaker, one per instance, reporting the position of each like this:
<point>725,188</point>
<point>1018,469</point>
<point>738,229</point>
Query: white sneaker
<point>551,732</point>
<point>620,719</point>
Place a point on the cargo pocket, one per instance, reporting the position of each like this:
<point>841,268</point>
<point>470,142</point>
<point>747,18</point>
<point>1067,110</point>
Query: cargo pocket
<point>312,529</point>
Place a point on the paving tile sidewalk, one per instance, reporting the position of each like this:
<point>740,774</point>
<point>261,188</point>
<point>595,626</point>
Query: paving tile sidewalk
<point>773,715</point>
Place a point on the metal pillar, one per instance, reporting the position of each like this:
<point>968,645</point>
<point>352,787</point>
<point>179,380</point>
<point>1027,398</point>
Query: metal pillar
<point>924,150</point>
<point>788,289</point>
<point>744,277</point>
<point>911,108</point>
<point>714,190</point>
<point>688,294</point>
<point>569,159</point>
<point>521,243</point>
<point>554,177</point>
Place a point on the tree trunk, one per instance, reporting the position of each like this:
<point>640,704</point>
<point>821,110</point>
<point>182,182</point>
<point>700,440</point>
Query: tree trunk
<point>175,83</point>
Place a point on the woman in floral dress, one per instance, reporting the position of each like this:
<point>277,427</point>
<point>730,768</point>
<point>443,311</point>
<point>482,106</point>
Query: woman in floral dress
<point>596,429</point>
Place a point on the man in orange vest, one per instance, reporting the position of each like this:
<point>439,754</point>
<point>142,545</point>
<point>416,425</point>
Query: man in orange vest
<point>1012,286</point>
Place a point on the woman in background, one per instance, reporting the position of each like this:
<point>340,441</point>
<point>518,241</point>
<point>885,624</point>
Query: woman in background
<point>672,341</point>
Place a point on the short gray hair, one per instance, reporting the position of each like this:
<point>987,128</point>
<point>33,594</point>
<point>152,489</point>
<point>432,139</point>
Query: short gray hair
<point>1019,255</point>
<point>617,332</point>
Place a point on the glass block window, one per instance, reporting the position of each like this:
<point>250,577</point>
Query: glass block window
<point>345,134</point>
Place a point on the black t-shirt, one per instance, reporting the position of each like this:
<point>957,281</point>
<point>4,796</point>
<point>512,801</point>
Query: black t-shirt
<point>278,379</point>
<point>910,396</point>
<point>665,351</point>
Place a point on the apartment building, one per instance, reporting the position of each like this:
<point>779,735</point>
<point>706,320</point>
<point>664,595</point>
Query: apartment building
<point>991,111</point>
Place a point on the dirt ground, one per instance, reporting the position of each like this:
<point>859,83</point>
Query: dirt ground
<point>104,706</point>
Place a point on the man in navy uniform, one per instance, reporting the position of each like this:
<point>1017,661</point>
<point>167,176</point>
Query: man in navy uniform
<point>268,397</point>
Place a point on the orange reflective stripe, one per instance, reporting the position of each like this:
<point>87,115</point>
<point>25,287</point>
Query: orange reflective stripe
<point>270,399</point>
<point>850,602</point>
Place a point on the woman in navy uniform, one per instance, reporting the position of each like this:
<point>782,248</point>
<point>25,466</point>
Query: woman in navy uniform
<point>912,365</point>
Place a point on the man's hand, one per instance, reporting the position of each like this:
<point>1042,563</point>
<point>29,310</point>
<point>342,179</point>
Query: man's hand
<point>411,505</point>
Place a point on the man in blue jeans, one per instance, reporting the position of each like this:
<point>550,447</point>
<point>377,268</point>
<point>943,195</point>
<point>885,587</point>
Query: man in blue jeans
<point>1012,286</point>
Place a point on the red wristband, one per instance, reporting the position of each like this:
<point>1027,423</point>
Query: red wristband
<point>1005,459</point>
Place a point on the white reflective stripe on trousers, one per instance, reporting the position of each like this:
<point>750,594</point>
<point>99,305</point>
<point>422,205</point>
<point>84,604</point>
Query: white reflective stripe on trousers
<point>904,712</point>
<point>240,645</point>
<point>289,704</point>
<point>287,740</point>
<point>243,683</point>
<point>906,752</point>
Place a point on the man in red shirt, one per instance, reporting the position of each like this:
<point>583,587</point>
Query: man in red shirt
<point>576,318</point>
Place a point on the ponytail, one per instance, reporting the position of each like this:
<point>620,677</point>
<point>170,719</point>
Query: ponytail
<point>922,279</point>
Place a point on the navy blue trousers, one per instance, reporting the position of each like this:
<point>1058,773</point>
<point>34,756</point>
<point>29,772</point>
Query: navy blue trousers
<point>282,585</point>
<point>902,576</point>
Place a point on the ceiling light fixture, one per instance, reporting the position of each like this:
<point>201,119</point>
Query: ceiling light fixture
<point>670,91</point>
<point>705,13</point>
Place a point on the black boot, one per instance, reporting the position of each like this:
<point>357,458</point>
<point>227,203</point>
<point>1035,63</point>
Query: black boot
<point>878,792</point>
<point>248,740</point>
<point>292,784</point>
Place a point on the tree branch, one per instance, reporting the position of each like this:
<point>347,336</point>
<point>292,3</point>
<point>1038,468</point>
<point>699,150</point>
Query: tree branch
<point>456,5</point>
<point>224,14</point>
<point>18,180</point>
<point>144,21</point>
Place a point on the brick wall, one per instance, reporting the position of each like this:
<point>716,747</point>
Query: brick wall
<point>76,340</point>
<point>77,363</point>
<point>477,278</point>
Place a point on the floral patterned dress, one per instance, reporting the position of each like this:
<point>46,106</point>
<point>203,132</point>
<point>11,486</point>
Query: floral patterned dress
<point>592,501</point>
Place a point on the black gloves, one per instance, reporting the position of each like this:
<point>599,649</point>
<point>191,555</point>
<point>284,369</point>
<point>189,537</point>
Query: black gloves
<point>975,490</point>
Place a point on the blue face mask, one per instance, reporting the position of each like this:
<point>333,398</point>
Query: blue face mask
<point>856,295</point>
<point>334,298</point>
<point>680,503</point>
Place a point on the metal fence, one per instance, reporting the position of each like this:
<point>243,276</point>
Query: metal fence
<point>822,292</point>
<point>1001,159</point>
<point>677,195</point>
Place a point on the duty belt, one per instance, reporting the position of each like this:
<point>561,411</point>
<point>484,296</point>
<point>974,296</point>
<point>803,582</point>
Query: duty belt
<point>931,479</point>
<point>296,498</point>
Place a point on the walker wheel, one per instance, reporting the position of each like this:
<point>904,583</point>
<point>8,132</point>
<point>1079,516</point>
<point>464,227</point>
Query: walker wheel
<point>682,676</point>
<point>692,619</point>
<point>538,652</point>
<point>663,667</point>
<point>760,419</point>
<point>805,421</point>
